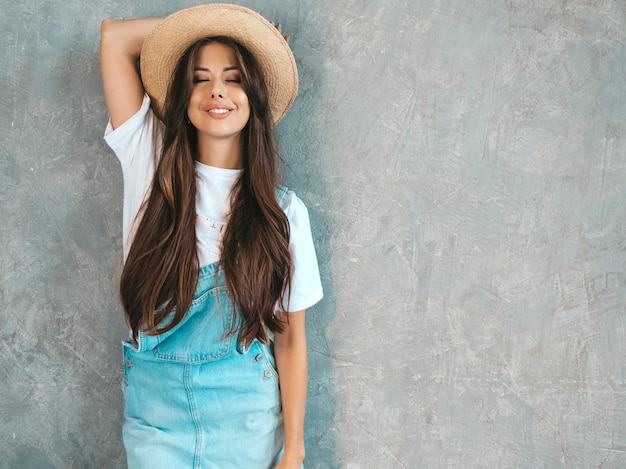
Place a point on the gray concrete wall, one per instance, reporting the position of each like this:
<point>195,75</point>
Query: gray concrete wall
<point>464,165</point>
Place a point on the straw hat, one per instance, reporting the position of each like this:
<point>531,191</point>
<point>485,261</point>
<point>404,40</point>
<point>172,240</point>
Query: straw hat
<point>168,41</point>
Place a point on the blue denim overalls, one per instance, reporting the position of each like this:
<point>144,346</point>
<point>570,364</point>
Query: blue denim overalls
<point>194,399</point>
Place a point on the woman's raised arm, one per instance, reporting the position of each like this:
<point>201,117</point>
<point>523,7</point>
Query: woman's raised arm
<point>120,46</point>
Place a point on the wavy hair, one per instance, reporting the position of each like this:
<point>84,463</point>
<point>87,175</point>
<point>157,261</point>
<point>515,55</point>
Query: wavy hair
<point>161,271</point>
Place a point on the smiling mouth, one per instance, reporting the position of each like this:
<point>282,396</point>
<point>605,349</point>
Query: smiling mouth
<point>219,111</point>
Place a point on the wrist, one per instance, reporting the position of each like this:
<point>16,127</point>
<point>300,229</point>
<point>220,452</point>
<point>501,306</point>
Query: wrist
<point>292,455</point>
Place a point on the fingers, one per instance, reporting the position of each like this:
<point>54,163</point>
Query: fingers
<point>279,27</point>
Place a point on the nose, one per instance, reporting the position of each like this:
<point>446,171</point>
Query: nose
<point>216,89</point>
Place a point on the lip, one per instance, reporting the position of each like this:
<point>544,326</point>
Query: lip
<point>225,111</point>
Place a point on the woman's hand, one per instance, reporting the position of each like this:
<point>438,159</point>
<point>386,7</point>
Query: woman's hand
<point>284,464</point>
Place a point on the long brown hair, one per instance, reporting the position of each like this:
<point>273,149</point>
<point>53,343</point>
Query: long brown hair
<point>161,270</point>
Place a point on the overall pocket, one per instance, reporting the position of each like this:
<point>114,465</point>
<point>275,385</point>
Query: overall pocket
<point>203,334</point>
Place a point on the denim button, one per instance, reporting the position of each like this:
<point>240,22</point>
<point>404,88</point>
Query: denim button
<point>267,374</point>
<point>129,364</point>
<point>258,358</point>
<point>125,382</point>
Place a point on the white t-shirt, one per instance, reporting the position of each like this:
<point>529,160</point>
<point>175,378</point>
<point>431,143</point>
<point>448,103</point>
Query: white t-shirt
<point>135,141</point>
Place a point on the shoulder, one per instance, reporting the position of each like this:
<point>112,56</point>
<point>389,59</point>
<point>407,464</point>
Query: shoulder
<point>291,204</point>
<point>298,217</point>
<point>306,287</point>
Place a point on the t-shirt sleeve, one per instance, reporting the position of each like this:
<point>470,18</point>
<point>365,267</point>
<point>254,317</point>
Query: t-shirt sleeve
<point>135,143</point>
<point>306,286</point>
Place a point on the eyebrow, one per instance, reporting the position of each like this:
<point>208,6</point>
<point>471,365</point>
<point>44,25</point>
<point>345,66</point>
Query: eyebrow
<point>203,69</point>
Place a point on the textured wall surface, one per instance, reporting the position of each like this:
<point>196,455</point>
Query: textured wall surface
<point>464,167</point>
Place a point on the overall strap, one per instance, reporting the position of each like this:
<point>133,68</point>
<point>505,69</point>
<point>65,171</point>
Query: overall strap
<point>281,193</point>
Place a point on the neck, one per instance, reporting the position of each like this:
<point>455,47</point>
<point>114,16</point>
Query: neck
<point>226,153</point>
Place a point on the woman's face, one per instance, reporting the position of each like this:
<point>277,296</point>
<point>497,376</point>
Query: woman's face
<point>218,107</point>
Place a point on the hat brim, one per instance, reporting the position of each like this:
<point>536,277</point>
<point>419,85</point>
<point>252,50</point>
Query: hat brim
<point>168,41</point>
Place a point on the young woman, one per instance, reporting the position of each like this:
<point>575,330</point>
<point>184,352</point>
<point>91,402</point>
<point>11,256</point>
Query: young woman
<point>219,260</point>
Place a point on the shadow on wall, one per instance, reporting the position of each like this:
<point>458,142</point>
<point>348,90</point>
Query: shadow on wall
<point>303,140</point>
<point>320,422</point>
<point>320,416</point>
